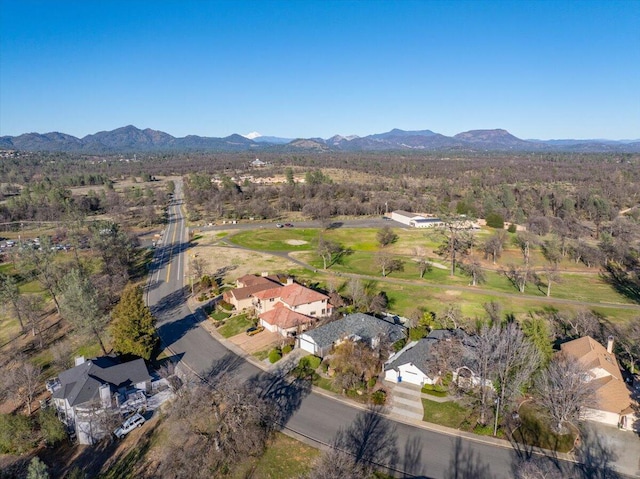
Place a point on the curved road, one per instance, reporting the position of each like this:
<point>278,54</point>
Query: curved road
<point>419,452</point>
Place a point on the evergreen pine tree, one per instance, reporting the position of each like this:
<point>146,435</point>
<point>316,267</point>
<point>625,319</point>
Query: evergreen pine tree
<point>133,327</point>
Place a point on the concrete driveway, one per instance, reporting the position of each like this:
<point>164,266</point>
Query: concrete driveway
<point>257,342</point>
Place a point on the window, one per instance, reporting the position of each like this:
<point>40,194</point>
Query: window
<point>324,311</point>
<point>312,313</point>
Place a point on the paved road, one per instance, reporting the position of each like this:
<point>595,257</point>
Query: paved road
<point>315,417</point>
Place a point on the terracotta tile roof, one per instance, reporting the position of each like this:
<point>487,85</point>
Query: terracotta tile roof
<point>612,393</point>
<point>247,291</point>
<point>292,294</point>
<point>285,318</point>
<point>249,280</point>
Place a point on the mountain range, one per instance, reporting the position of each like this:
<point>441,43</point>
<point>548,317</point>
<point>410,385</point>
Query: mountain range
<point>131,139</point>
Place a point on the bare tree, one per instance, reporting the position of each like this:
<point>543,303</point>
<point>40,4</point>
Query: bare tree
<point>10,295</point>
<point>494,311</point>
<point>551,275</point>
<point>386,236</point>
<point>516,359</point>
<point>456,243</point>
<point>538,468</point>
<point>485,365</point>
<point>26,382</point>
<point>564,390</point>
<point>198,267</point>
<point>584,323</point>
<point>32,307</point>
<point>525,241</point>
<point>472,267</point>
<point>518,275</point>
<point>494,245</point>
<point>451,314</point>
<point>328,251</point>
<point>388,264</point>
<point>42,266</point>
<point>629,341</point>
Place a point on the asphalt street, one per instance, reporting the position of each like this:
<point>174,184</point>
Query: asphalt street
<point>317,418</point>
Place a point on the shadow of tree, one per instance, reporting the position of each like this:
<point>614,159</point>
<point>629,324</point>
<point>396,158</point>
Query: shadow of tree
<point>412,458</point>
<point>284,395</point>
<point>465,464</point>
<point>371,440</point>
<point>595,456</point>
<point>627,283</point>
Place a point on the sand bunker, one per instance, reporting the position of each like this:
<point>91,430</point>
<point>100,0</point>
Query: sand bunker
<point>296,242</point>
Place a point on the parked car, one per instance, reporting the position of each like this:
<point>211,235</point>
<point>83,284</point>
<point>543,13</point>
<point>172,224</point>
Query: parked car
<point>279,225</point>
<point>129,425</point>
<point>288,225</point>
<point>255,330</point>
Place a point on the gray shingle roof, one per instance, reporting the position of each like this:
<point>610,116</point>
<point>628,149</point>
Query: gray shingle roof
<point>357,324</point>
<point>81,384</point>
<point>418,355</point>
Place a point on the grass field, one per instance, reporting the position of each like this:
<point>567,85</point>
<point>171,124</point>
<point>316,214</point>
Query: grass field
<point>449,414</point>
<point>285,458</point>
<point>235,325</point>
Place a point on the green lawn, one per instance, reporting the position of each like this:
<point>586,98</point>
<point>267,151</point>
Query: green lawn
<point>219,315</point>
<point>235,325</point>
<point>285,458</point>
<point>276,239</point>
<point>449,414</point>
<point>261,355</point>
<point>535,431</point>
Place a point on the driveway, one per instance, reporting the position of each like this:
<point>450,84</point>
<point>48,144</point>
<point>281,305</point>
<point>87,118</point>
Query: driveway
<point>257,342</point>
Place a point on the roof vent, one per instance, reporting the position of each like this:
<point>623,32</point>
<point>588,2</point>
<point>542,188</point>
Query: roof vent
<point>79,360</point>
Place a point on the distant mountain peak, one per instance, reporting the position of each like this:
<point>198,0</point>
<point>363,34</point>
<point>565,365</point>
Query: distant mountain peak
<point>253,135</point>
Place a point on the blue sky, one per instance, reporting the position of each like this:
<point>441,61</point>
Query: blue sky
<point>540,69</point>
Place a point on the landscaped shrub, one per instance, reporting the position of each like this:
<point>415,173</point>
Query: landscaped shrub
<point>311,362</point>
<point>206,281</point>
<point>275,355</point>
<point>287,349</point>
<point>435,390</point>
<point>226,306</point>
<point>202,297</point>
<point>495,220</point>
<point>325,367</point>
<point>398,345</point>
<point>379,397</point>
<point>418,333</point>
<point>512,228</point>
<point>372,382</point>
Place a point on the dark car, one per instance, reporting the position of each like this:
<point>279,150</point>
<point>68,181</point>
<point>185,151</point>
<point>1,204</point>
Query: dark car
<point>254,330</point>
<point>288,225</point>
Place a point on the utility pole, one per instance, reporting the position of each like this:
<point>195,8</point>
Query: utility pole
<point>495,427</point>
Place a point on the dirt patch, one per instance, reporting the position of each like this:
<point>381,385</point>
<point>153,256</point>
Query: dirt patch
<point>295,242</point>
<point>450,292</point>
<point>258,342</point>
<point>217,256</point>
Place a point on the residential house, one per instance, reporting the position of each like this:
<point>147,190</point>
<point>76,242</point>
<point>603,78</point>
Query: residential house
<point>356,327</point>
<point>413,363</point>
<point>87,394</point>
<point>290,309</point>
<point>614,404</point>
<point>241,297</point>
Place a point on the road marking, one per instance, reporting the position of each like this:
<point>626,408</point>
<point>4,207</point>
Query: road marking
<point>173,238</point>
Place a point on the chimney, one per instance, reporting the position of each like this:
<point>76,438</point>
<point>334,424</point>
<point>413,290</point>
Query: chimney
<point>79,360</point>
<point>265,274</point>
<point>289,280</point>
<point>610,344</point>
<point>105,395</point>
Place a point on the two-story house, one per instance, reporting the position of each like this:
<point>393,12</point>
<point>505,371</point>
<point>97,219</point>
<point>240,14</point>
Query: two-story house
<point>291,308</point>
<point>86,395</point>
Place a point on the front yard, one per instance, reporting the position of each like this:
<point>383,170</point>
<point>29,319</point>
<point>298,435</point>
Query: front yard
<point>235,325</point>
